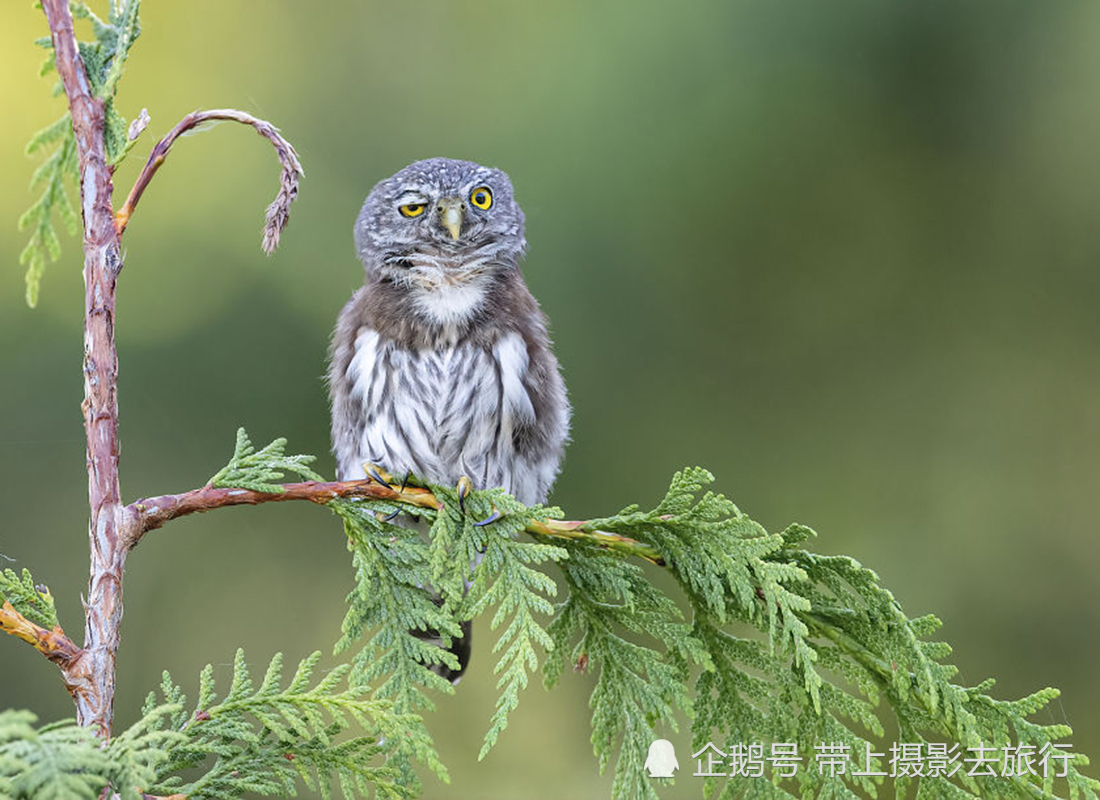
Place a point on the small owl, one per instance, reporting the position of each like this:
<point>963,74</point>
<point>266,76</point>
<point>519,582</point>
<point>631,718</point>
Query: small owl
<point>441,364</point>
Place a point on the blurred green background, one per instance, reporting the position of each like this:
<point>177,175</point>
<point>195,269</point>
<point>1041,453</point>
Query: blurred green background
<point>842,254</point>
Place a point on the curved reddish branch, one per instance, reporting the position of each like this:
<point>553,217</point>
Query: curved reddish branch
<point>278,213</point>
<point>153,512</point>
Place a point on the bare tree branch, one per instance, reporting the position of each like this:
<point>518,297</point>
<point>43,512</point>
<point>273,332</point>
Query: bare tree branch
<point>278,213</point>
<point>102,263</point>
<point>113,529</point>
<point>582,529</point>
<point>54,645</point>
<point>151,513</point>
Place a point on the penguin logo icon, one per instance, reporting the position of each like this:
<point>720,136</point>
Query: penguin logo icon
<point>661,761</point>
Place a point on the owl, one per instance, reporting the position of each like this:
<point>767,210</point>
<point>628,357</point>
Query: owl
<point>441,365</point>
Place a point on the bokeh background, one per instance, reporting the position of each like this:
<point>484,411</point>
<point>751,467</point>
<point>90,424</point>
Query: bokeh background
<point>842,254</point>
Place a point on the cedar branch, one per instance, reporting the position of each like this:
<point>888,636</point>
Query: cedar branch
<point>151,513</point>
<point>54,645</point>
<point>278,213</point>
<point>113,528</point>
<point>92,683</point>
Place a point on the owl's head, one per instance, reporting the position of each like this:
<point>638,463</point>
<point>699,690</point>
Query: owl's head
<point>440,222</point>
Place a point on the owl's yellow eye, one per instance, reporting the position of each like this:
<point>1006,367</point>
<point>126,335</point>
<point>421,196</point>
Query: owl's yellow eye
<point>481,197</point>
<point>412,209</point>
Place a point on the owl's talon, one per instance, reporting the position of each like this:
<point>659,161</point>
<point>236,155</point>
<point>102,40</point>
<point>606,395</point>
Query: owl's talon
<point>405,481</point>
<point>375,474</point>
<point>390,517</point>
<point>496,515</point>
<point>465,486</point>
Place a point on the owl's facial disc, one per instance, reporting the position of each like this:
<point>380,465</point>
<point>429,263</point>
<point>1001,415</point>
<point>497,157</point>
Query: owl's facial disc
<point>440,224</point>
<point>451,212</point>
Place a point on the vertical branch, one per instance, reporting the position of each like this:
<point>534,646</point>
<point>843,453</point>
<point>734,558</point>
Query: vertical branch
<point>102,262</point>
<point>113,528</point>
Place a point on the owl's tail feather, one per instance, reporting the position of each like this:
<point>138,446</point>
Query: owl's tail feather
<point>460,647</point>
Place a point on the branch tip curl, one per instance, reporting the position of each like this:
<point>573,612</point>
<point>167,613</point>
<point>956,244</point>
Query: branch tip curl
<point>278,213</point>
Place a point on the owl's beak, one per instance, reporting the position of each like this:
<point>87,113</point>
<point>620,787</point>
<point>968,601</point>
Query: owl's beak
<point>450,216</point>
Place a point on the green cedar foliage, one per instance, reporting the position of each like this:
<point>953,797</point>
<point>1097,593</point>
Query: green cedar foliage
<point>781,645</point>
<point>32,600</point>
<point>508,581</point>
<point>262,739</point>
<point>386,605</point>
<point>255,739</point>
<point>261,471</point>
<point>104,58</point>
<point>65,762</point>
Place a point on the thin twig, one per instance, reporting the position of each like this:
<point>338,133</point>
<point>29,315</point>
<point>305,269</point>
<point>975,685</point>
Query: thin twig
<point>153,512</point>
<point>54,645</point>
<point>582,529</point>
<point>278,213</point>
